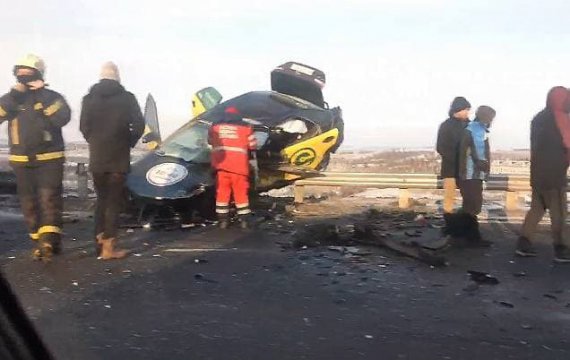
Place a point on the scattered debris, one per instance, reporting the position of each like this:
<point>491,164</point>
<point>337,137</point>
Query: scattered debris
<point>130,231</point>
<point>527,326</point>
<point>369,337</point>
<point>74,283</point>
<point>200,261</point>
<point>520,274</point>
<point>550,296</point>
<point>316,235</point>
<point>201,277</point>
<point>505,304</point>
<point>482,278</point>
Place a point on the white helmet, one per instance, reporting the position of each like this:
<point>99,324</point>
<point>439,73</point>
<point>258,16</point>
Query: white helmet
<point>33,62</point>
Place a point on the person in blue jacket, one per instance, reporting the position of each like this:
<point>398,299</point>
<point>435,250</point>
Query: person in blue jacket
<point>474,168</point>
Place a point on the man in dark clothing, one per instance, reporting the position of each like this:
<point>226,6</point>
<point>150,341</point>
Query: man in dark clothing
<point>112,123</point>
<point>36,116</point>
<point>474,167</point>
<point>548,168</point>
<point>448,141</point>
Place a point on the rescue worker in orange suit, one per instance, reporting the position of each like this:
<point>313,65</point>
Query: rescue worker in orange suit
<point>232,139</point>
<point>35,117</point>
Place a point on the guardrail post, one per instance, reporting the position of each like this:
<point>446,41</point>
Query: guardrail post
<point>512,200</point>
<point>404,199</point>
<point>82,180</point>
<point>299,193</point>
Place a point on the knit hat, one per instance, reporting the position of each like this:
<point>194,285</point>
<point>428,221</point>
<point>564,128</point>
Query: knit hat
<point>485,114</point>
<point>458,104</point>
<point>110,71</point>
<point>232,114</point>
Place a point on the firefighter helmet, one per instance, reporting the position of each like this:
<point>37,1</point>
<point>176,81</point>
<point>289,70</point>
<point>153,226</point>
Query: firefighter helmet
<point>33,62</point>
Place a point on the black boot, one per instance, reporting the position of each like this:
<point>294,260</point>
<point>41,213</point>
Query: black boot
<point>474,237</point>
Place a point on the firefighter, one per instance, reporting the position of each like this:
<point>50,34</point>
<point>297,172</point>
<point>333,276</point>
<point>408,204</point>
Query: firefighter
<point>36,115</point>
<point>232,139</point>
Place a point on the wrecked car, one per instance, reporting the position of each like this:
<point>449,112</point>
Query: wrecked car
<point>296,133</point>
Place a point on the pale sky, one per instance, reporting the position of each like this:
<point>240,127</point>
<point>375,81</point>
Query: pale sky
<point>392,65</point>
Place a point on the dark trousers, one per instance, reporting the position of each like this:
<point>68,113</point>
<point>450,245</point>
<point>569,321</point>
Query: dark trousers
<point>472,194</point>
<point>553,200</point>
<point>110,189</point>
<point>40,191</point>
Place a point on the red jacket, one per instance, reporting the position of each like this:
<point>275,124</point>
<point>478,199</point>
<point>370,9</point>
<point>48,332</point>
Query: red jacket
<point>231,143</point>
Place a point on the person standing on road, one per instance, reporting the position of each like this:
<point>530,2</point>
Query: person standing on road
<point>36,115</point>
<point>548,168</point>
<point>474,168</point>
<point>232,140</point>
<point>448,141</point>
<point>112,123</point>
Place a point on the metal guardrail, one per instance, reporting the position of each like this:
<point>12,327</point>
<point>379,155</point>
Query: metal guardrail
<point>511,184</point>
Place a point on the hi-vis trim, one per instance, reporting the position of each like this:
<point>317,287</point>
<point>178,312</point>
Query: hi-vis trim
<point>229,148</point>
<point>41,157</point>
<point>2,112</point>
<point>49,229</point>
<point>53,108</point>
<point>14,132</point>
<point>34,236</point>
<point>38,106</point>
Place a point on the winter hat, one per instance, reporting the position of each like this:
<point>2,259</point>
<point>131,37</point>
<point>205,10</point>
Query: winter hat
<point>485,114</point>
<point>110,71</point>
<point>231,114</point>
<point>458,104</point>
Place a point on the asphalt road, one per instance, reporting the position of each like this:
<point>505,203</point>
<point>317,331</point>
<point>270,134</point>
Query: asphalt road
<point>208,294</point>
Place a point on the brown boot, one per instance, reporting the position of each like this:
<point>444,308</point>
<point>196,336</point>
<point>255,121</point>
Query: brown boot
<point>108,250</point>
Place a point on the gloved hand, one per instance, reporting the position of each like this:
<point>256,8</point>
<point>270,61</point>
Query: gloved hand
<point>18,93</point>
<point>19,87</point>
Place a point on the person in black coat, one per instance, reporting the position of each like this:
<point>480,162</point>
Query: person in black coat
<point>448,141</point>
<point>112,123</point>
<point>548,179</point>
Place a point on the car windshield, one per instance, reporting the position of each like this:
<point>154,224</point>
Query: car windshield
<point>189,143</point>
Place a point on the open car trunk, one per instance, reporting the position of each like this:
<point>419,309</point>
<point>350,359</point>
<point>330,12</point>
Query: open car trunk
<point>299,80</point>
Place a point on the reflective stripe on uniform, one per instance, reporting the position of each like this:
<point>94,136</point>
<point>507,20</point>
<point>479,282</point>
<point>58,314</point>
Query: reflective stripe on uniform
<point>243,211</point>
<point>38,106</point>
<point>41,157</point>
<point>49,229</point>
<point>244,205</point>
<point>35,236</point>
<point>15,132</point>
<point>53,108</point>
<point>230,148</point>
<point>3,112</point>
<point>222,208</point>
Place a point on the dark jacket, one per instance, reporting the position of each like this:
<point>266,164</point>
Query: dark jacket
<point>474,152</point>
<point>548,160</point>
<point>35,121</point>
<point>448,141</point>
<point>112,123</point>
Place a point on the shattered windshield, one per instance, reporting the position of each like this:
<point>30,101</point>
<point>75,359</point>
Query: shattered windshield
<point>189,143</point>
